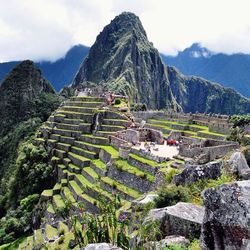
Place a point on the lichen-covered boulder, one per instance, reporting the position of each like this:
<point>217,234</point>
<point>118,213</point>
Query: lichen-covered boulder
<point>226,223</point>
<point>167,242</point>
<point>193,173</point>
<point>237,164</point>
<point>183,219</point>
<point>101,246</point>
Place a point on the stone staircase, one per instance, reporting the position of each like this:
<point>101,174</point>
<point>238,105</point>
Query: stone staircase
<point>81,154</point>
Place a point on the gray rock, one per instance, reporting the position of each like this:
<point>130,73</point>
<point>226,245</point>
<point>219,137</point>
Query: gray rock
<point>238,165</point>
<point>193,173</point>
<point>101,246</point>
<point>182,219</point>
<point>143,201</point>
<point>226,223</point>
<point>167,242</point>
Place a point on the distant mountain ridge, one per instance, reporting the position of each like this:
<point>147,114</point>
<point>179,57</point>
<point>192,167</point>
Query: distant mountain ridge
<point>60,72</point>
<point>229,70</point>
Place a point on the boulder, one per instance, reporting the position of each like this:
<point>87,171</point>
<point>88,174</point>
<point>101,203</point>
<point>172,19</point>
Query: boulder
<point>238,165</point>
<point>167,242</point>
<point>182,219</point>
<point>101,246</point>
<point>141,202</point>
<point>226,223</point>
<point>193,173</point>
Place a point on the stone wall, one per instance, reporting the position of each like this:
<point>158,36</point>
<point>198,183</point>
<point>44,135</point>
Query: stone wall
<point>212,152</point>
<point>130,180</point>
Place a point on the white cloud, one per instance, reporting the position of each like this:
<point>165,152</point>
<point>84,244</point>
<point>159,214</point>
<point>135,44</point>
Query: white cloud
<point>45,29</point>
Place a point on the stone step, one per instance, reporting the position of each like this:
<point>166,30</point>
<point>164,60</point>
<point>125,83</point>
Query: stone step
<point>114,115</point>
<point>51,233</point>
<point>143,164</point>
<point>115,186</point>
<point>106,134</point>
<point>57,188</point>
<point>69,175</point>
<point>83,103</point>
<point>90,174</point>
<point>90,203</point>
<point>79,109</point>
<point>67,194</point>
<point>65,132</point>
<point>131,176</point>
<point>87,99</point>
<point>59,153</point>
<point>63,146</point>
<point>112,128</point>
<point>84,153</point>
<point>91,189</point>
<point>163,128</point>
<point>99,167</point>
<point>67,126</point>
<point>66,161</point>
<point>85,117</point>
<point>94,139</point>
<point>55,137</point>
<point>88,146</point>
<point>79,160</point>
<point>58,202</point>
<point>66,139</point>
<point>115,122</point>
<point>72,121</point>
<point>74,168</point>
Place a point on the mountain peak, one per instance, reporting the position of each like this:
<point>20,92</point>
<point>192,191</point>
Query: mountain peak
<point>124,61</point>
<point>196,50</point>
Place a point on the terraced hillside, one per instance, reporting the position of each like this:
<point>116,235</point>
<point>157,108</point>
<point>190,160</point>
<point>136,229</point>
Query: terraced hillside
<point>189,130</point>
<point>88,167</point>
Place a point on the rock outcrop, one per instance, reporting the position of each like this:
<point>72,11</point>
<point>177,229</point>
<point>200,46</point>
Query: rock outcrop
<point>193,173</point>
<point>226,223</point>
<point>238,166</point>
<point>181,219</point>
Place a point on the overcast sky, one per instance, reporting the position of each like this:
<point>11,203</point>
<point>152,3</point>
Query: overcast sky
<point>46,29</point>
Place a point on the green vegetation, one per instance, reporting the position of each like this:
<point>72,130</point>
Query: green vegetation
<point>125,166</point>
<point>144,160</point>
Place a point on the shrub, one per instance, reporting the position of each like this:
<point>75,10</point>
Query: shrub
<point>170,195</point>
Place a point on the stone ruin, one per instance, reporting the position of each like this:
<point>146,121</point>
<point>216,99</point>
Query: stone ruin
<point>205,150</point>
<point>216,123</point>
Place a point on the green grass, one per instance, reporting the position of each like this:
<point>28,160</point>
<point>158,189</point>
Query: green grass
<point>144,160</point>
<point>69,196</point>
<point>114,153</point>
<point>76,188</point>
<point>99,164</point>
<point>131,192</point>
<point>73,166</point>
<point>125,166</point>
<point>50,231</point>
<point>58,201</point>
<point>83,150</point>
<point>50,209</point>
<point>57,186</point>
<point>79,157</point>
<point>39,237</point>
<point>63,226</point>
<point>91,172</point>
<point>47,192</point>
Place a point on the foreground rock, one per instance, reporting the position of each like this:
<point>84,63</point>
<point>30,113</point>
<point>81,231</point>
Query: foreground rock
<point>181,219</point>
<point>193,173</point>
<point>238,166</point>
<point>226,223</point>
<point>167,242</point>
<point>101,246</point>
